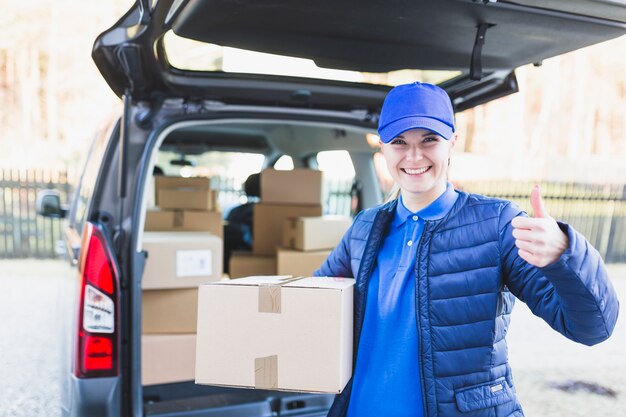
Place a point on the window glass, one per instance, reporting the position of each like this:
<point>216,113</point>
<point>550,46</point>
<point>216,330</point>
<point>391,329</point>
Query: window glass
<point>192,55</point>
<point>284,163</point>
<point>339,176</point>
<point>87,182</point>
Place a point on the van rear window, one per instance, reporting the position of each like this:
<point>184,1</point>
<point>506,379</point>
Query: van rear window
<point>192,55</point>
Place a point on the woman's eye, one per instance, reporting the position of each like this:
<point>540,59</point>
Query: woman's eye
<point>398,142</point>
<point>431,139</point>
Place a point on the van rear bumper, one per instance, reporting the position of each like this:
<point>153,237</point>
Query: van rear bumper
<point>93,397</point>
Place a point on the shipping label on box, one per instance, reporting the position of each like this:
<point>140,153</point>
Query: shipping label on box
<point>169,311</point>
<point>181,259</point>
<point>314,233</point>
<point>268,224</point>
<point>298,186</point>
<point>244,264</point>
<point>184,220</point>
<point>276,333</point>
<point>167,358</point>
<point>298,263</point>
<point>194,263</point>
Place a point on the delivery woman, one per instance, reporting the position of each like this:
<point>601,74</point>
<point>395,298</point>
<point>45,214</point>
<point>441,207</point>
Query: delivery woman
<point>436,274</point>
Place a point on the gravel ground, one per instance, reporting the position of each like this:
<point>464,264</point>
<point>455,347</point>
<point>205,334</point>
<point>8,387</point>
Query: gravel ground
<point>29,355</point>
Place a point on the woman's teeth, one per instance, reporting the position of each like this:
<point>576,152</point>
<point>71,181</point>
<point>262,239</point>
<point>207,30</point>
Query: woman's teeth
<point>415,171</point>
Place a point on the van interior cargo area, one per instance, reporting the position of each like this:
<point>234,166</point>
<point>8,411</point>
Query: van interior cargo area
<point>186,397</point>
<point>300,139</point>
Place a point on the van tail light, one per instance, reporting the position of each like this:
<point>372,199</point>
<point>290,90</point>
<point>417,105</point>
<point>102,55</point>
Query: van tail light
<point>97,343</point>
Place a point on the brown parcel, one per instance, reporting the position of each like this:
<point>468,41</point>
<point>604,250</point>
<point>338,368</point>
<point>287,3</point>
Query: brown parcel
<point>314,233</point>
<point>186,198</point>
<point>268,224</point>
<point>244,264</point>
<point>297,263</point>
<point>200,183</point>
<point>167,358</point>
<point>169,311</point>
<point>181,259</point>
<point>254,332</point>
<point>173,200</point>
<point>298,186</point>
<point>184,220</point>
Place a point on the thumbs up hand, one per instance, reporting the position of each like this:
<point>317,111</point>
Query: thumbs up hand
<point>539,239</point>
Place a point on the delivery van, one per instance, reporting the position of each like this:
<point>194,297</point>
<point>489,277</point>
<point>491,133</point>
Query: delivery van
<point>215,91</point>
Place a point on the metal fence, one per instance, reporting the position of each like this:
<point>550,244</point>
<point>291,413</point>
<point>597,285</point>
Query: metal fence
<point>597,211</point>
<point>24,234</point>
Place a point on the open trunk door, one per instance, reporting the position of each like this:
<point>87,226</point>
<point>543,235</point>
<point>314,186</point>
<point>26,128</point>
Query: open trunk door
<point>483,41</point>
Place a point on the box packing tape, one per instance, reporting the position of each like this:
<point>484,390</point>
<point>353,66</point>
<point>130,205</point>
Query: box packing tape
<point>269,298</point>
<point>266,372</point>
<point>293,222</point>
<point>266,368</point>
<point>269,295</point>
<point>179,218</point>
<point>215,200</point>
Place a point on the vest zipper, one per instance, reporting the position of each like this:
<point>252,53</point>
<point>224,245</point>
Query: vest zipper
<point>417,320</point>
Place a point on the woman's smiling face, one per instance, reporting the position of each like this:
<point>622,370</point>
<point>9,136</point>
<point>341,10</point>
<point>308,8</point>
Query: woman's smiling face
<point>418,162</point>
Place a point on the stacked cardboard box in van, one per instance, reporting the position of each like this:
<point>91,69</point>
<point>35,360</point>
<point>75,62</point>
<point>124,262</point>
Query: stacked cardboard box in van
<point>244,264</point>
<point>284,194</point>
<point>290,235</point>
<point>185,204</point>
<point>184,244</point>
<point>307,242</point>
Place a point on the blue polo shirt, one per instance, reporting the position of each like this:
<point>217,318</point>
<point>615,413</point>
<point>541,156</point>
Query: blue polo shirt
<point>387,373</point>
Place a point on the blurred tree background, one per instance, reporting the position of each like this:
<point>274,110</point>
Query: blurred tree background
<point>52,95</point>
<point>567,123</point>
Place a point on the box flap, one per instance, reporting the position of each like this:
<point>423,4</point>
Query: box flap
<point>286,281</point>
<point>255,280</point>
<point>322,282</point>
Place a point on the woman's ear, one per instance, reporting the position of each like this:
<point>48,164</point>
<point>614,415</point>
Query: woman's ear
<point>453,140</point>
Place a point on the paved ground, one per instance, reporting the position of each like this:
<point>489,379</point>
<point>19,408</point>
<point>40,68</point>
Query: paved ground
<point>29,356</point>
<point>540,357</point>
<point>29,339</point>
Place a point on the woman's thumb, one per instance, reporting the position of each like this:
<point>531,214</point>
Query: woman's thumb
<point>536,203</point>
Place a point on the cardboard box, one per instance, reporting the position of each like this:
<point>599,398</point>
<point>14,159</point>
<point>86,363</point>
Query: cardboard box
<point>298,186</point>
<point>182,198</point>
<point>169,311</point>
<point>167,358</point>
<point>199,183</point>
<point>244,264</point>
<point>272,333</point>
<point>185,193</point>
<point>268,224</point>
<point>314,233</point>
<point>181,259</point>
<point>184,220</point>
<point>298,263</point>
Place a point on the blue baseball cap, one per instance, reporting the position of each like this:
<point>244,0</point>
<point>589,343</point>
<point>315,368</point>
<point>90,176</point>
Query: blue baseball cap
<point>413,106</point>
